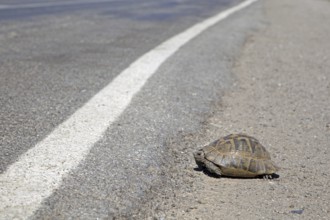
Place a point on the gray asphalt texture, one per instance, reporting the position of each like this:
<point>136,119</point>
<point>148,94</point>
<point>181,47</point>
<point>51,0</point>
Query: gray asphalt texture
<point>50,65</point>
<point>280,96</point>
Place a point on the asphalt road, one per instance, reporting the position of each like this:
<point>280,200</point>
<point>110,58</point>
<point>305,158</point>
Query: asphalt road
<point>55,57</point>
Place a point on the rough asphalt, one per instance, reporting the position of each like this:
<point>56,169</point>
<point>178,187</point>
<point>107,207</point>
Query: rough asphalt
<point>281,96</point>
<point>51,65</point>
<point>129,166</point>
<point>263,71</point>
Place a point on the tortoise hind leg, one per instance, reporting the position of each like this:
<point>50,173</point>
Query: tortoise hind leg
<point>267,176</point>
<point>272,176</point>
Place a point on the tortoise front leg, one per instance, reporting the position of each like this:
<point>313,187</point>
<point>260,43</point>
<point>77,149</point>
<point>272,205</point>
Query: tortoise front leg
<point>212,168</point>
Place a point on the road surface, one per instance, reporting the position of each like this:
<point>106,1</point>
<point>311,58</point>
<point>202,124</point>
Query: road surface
<point>56,57</point>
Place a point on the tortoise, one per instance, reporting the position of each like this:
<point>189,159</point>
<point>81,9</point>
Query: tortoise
<point>236,155</point>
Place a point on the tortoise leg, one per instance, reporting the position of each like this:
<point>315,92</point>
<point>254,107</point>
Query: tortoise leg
<point>212,168</point>
<point>267,176</point>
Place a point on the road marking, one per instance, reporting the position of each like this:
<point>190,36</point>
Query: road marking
<point>26,183</point>
<point>53,4</point>
<point>3,7</point>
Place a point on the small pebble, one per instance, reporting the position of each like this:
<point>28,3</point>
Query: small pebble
<point>200,202</point>
<point>297,211</point>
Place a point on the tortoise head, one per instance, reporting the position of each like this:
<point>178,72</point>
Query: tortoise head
<point>200,158</point>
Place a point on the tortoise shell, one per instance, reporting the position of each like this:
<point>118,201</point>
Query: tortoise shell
<point>236,155</point>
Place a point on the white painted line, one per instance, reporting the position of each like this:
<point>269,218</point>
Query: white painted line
<point>3,7</point>
<point>40,170</point>
<point>53,4</point>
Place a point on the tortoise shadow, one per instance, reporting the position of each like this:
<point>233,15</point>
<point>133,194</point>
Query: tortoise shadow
<point>206,172</point>
<point>213,175</point>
